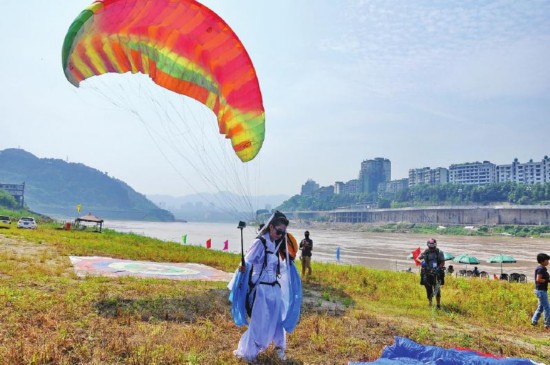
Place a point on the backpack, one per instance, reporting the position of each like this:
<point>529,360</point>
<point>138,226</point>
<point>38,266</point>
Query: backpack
<point>251,293</point>
<point>440,272</point>
<point>292,245</point>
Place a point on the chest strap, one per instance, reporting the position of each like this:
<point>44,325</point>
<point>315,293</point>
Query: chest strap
<point>272,283</point>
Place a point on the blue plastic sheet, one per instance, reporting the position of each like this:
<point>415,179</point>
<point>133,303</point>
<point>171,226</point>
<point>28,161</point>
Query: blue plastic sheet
<point>407,352</point>
<point>295,299</point>
<point>237,296</point>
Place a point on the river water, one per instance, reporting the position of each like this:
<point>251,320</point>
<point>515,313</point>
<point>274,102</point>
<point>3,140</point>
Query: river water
<point>387,251</point>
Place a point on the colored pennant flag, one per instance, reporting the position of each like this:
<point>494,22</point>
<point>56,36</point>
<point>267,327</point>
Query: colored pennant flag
<point>209,243</point>
<point>415,254</point>
<point>184,238</point>
<point>226,245</point>
<point>78,208</point>
<point>338,253</point>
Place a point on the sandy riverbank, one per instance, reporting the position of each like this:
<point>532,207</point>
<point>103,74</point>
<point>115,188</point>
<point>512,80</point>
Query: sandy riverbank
<point>388,250</point>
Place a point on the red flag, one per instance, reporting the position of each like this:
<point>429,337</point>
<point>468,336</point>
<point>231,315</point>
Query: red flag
<point>209,243</point>
<point>416,253</point>
<point>226,245</point>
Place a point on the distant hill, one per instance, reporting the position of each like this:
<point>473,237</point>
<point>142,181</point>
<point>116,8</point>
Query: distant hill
<point>221,206</point>
<point>56,187</point>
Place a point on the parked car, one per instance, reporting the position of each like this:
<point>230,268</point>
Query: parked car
<point>5,221</point>
<point>26,222</point>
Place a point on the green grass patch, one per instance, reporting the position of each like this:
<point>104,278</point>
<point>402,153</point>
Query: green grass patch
<point>350,313</point>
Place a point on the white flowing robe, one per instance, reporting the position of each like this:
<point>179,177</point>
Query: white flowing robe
<point>266,323</point>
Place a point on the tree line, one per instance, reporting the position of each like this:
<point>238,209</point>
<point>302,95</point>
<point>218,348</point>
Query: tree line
<point>7,200</point>
<point>427,195</point>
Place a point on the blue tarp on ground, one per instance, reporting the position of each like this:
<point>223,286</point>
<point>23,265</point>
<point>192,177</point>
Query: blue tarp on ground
<point>407,352</point>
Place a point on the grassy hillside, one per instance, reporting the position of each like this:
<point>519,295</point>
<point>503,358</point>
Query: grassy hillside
<point>56,187</point>
<point>50,316</point>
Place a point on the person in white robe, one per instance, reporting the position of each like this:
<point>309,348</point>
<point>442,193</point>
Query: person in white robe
<point>266,320</point>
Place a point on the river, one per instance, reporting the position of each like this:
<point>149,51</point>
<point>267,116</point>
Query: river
<point>387,251</point>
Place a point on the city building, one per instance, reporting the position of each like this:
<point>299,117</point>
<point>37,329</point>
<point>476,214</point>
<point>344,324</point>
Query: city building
<point>325,192</point>
<point>339,187</point>
<point>393,186</point>
<point>350,187</point>
<point>525,173</point>
<point>473,173</point>
<point>375,176</point>
<point>426,175</point>
<point>309,187</point>
<point>374,172</point>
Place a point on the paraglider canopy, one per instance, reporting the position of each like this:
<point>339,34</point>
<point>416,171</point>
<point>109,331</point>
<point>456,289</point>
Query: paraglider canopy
<point>182,46</point>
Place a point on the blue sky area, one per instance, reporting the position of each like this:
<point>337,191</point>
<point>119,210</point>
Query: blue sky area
<point>423,83</point>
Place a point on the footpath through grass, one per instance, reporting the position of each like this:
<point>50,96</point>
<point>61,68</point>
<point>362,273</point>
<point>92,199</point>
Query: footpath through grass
<point>50,316</point>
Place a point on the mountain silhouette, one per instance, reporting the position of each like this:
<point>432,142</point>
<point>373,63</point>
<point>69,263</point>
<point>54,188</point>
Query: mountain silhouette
<point>56,187</point>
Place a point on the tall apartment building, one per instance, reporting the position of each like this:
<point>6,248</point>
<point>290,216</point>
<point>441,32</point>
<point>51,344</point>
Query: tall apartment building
<point>374,172</point>
<point>474,173</point>
<point>426,175</point>
<point>525,173</point>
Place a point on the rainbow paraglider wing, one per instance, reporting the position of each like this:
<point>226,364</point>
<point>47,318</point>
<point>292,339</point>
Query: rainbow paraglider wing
<point>183,46</point>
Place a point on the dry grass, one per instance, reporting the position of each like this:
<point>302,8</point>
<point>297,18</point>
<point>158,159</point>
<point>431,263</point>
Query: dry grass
<point>50,316</point>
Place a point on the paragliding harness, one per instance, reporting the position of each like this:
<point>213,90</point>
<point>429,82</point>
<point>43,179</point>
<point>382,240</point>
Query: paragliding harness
<point>430,275</point>
<point>251,293</point>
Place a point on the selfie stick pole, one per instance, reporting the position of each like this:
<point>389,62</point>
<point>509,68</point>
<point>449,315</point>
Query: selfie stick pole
<point>241,227</point>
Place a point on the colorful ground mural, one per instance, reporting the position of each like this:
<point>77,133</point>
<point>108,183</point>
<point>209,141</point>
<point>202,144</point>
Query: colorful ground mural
<point>106,266</point>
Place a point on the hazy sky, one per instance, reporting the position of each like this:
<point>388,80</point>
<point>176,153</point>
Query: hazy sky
<point>422,83</point>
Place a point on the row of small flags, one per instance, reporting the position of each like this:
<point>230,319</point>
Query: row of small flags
<point>226,245</point>
<point>208,242</point>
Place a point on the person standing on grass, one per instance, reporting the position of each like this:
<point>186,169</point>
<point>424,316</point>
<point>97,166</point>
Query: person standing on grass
<point>541,291</point>
<point>433,271</point>
<point>266,313</point>
<point>306,246</point>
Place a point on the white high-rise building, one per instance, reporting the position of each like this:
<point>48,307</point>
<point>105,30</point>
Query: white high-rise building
<point>474,173</point>
<point>525,173</point>
<point>426,175</point>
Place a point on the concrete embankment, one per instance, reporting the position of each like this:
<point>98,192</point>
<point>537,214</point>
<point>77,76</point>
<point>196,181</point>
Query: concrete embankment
<point>525,215</point>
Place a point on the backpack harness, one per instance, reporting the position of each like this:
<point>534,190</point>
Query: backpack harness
<point>430,269</point>
<point>251,294</point>
<point>264,265</point>
<point>428,257</point>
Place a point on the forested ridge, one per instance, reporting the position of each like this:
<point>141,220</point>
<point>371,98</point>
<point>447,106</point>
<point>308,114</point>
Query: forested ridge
<point>54,186</point>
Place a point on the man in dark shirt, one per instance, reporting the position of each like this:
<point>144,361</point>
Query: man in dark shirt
<point>541,290</point>
<point>306,246</point>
